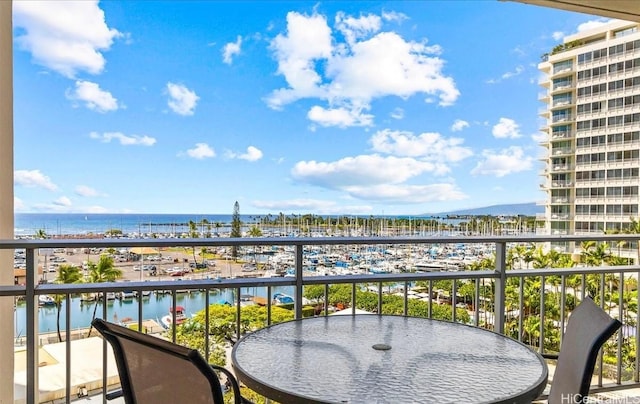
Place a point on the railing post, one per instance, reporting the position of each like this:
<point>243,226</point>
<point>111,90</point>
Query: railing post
<point>500,282</point>
<point>7,355</point>
<point>32,327</point>
<point>298,295</point>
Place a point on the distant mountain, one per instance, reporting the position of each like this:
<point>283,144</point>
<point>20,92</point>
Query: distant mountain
<point>527,209</point>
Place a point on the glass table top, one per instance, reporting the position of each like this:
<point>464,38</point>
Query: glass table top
<point>386,359</point>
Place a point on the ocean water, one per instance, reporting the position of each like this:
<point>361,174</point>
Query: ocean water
<point>27,224</point>
<point>57,224</point>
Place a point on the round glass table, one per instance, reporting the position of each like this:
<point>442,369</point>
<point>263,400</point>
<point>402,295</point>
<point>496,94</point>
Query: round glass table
<point>387,359</point>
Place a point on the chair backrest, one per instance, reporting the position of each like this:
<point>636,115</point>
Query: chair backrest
<point>156,371</point>
<point>587,329</point>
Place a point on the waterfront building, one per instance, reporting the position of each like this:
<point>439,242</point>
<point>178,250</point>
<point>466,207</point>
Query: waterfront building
<point>591,117</point>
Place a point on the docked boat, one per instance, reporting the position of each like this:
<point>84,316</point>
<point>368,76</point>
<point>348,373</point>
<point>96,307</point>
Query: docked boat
<point>46,300</point>
<point>144,293</point>
<point>88,297</point>
<point>281,298</point>
<point>181,317</point>
<point>247,300</point>
<point>110,295</point>
<point>127,295</point>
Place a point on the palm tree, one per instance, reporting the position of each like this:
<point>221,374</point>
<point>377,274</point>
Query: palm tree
<point>66,274</point>
<point>634,228</point>
<point>236,231</point>
<point>103,271</point>
<point>594,254</point>
<point>193,233</point>
<point>41,234</point>
<point>255,231</point>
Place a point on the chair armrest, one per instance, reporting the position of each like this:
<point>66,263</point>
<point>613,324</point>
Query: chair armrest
<point>550,356</point>
<point>113,394</point>
<point>237,397</point>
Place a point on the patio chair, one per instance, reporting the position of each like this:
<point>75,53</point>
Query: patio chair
<point>587,329</point>
<point>156,371</point>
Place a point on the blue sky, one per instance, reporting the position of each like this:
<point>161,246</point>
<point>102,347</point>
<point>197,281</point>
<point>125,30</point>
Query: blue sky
<point>397,107</point>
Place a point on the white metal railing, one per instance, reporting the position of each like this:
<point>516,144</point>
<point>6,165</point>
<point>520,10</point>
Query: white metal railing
<point>500,306</point>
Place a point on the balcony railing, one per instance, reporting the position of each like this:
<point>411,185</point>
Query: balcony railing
<point>502,297</point>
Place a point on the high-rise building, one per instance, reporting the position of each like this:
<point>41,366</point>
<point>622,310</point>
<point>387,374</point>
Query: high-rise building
<point>592,120</point>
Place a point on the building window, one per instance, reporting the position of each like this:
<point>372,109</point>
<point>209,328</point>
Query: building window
<point>615,67</point>
<point>616,49</point>
<point>630,191</point>
<point>615,103</point>
<point>625,32</point>
<point>598,123</point>
<point>615,120</point>
<point>584,91</point>
<point>614,191</point>
<point>582,192</point>
<point>616,85</point>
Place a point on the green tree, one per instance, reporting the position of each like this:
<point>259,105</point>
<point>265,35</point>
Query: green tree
<point>193,233</point>
<point>41,234</point>
<point>66,274</point>
<point>236,223</point>
<point>634,228</point>
<point>255,231</point>
<point>103,271</point>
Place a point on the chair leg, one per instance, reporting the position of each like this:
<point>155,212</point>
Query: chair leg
<point>238,399</point>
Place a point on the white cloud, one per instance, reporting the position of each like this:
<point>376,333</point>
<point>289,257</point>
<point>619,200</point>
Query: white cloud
<point>252,154</point>
<point>349,75</point>
<point>65,36</point>
<point>505,162</point>
<point>340,117</point>
<point>505,76</point>
<point>97,209</point>
<point>426,146</point>
<point>518,70</point>
<point>311,205</point>
<point>182,101</point>
<point>364,170</point>
<point>397,113</point>
<point>133,140</point>
<point>394,16</point>
<point>506,128</point>
<point>539,137</point>
<point>86,191</point>
<point>458,125</point>
<point>201,151</point>
<point>407,194</point>
<point>557,35</point>
<point>93,97</point>
<point>63,201</point>
<point>586,26</point>
<point>18,204</point>
<point>230,50</point>
<point>33,179</point>
<point>357,28</point>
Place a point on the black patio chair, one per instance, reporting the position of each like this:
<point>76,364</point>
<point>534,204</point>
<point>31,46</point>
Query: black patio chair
<point>587,330</point>
<point>156,371</point>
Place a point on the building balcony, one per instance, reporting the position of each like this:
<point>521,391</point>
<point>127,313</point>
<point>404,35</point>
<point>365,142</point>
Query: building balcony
<point>561,151</point>
<point>562,69</point>
<point>560,216</point>
<point>562,118</point>
<point>543,96</point>
<point>380,274</point>
<point>562,167</point>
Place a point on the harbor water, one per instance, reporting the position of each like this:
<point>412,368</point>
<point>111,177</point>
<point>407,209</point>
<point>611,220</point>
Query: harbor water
<point>154,307</point>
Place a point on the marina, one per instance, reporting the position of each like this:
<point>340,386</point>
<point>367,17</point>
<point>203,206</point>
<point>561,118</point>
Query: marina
<point>154,307</point>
